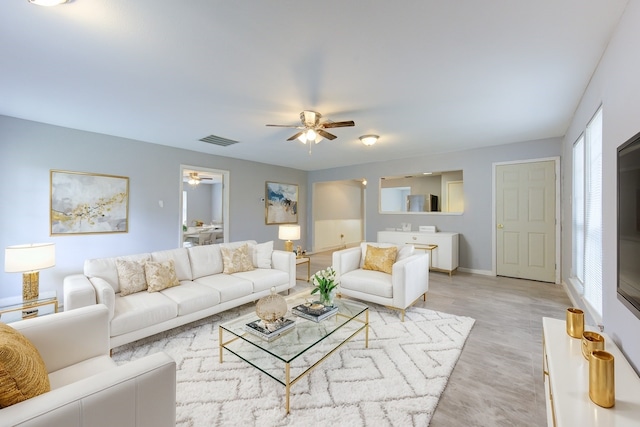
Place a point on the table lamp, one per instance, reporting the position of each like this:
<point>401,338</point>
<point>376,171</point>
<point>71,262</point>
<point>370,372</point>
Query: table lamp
<point>289,233</point>
<point>29,260</point>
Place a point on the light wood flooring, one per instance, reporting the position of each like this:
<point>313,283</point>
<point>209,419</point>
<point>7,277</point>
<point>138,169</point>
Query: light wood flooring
<point>498,378</point>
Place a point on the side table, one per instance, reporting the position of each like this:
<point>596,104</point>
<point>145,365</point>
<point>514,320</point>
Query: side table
<point>304,260</point>
<point>429,248</point>
<point>14,308</point>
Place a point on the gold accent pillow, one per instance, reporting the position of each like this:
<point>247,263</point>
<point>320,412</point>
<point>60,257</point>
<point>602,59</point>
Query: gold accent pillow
<point>131,276</point>
<point>236,260</point>
<point>23,374</point>
<point>160,275</point>
<point>380,259</point>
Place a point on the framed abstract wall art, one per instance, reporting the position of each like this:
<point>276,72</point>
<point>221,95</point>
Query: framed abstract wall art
<point>88,203</point>
<point>281,203</point>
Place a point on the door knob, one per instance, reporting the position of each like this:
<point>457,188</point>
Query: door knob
<point>500,226</point>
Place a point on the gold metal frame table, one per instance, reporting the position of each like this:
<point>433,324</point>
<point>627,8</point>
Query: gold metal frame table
<point>316,341</point>
<point>301,261</point>
<point>14,308</point>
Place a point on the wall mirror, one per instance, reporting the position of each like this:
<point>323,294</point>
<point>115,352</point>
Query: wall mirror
<point>422,193</point>
<point>204,205</point>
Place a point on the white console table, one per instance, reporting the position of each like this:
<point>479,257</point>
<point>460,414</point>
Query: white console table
<point>566,377</point>
<point>443,257</point>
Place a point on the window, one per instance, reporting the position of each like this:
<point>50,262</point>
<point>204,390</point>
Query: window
<point>587,214</point>
<point>578,211</point>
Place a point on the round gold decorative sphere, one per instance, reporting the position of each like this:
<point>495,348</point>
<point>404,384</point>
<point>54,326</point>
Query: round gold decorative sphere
<point>272,307</point>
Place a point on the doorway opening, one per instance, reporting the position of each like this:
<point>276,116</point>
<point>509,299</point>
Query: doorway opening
<point>338,219</point>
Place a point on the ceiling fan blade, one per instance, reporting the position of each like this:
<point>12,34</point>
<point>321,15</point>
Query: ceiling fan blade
<point>286,126</point>
<point>326,134</point>
<point>329,125</point>
<point>295,136</point>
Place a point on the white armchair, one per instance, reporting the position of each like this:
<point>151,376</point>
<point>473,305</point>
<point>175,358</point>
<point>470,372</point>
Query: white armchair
<point>87,387</point>
<point>408,281</point>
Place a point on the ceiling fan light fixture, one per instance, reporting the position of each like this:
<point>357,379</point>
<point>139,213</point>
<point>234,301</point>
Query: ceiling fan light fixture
<point>48,3</point>
<point>369,140</point>
<point>194,179</point>
<point>310,136</point>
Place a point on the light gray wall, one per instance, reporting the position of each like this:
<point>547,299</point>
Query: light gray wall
<point>338,200</point>
<point>474,225</point>
<point>199,203</point>
<point>28,150</point>
<point>615,85</point>
<point>216,201</point>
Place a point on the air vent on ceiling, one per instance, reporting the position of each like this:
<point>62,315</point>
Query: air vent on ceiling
<point>218,140</point>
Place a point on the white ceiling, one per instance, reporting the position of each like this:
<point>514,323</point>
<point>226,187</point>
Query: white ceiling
<point>426,75</point>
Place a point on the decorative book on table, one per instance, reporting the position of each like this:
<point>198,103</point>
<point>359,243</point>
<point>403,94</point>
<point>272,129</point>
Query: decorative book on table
<point>314,312</point>
<point>269,331</point>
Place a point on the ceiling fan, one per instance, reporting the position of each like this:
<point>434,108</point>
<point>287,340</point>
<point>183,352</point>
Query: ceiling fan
<point>194,178</point>
<point>312,129</point>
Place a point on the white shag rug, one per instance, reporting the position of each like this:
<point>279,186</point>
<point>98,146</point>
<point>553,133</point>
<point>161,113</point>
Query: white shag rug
<point>397,381</point>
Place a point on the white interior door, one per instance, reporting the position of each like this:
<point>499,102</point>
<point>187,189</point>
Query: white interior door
<point>526,220</point>
<point>455,196</point>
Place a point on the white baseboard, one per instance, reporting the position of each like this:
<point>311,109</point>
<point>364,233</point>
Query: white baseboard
<point>475,271</point>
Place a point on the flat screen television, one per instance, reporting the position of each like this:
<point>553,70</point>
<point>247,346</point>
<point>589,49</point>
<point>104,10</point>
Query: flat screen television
<point>629,224</point>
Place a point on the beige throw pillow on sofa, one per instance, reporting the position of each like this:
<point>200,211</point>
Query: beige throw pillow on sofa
<point>160,275</point>
<point>131,276</point>
<point>380,259</point>
<point>236,260</point>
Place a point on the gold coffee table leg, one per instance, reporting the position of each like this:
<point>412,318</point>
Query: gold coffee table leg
<point>366,328</point>
<point>287,379</point>
<point>220,341</point>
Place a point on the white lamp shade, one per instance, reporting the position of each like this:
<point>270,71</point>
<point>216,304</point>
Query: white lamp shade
<point>33,257</point>
<point>289,232</point>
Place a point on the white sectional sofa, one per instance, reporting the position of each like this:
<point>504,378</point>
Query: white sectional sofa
<point>204,289</point>
<point>88,389</point>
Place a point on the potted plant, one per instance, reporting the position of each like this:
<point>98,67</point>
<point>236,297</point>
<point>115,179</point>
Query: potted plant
<point>325,283</point>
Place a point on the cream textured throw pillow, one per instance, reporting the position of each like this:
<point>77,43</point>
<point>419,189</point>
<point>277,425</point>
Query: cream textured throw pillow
<point>380,259</point>
<point>160,275</point>
<point>131,276</point>
<point>262,254</point>
<point>236,260</point>
<point>405,252</point>
<point>23,374</point>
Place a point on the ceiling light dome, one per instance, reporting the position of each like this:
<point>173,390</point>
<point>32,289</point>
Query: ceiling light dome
<point>369,140</point>
<point>48,2</point>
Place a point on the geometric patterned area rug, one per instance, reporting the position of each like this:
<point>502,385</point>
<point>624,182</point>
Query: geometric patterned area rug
<point>397,381</point>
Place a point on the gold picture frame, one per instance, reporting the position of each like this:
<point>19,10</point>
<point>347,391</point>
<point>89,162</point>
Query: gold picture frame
<point>281,203</point>
<point>88,203</point>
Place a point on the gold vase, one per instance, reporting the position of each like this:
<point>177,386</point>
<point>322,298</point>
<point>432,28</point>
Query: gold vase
<point>575,322</point>
<point>602,389</point>
<point>591,341</point>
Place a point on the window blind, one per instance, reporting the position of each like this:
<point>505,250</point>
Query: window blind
<point>578,211</point>
<point>593,214</point>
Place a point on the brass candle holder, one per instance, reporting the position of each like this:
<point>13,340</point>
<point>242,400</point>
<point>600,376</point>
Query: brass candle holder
<point>575,322</point>
<point>602,389</point>
<point>591,341</point>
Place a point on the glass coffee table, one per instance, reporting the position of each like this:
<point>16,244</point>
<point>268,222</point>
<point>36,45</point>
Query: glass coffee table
<point>281,358</point>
